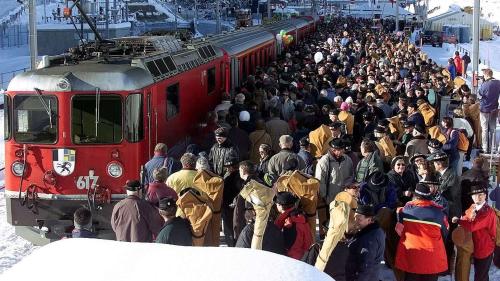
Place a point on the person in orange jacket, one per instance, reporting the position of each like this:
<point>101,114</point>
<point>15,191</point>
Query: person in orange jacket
<point>481,220</point>
<point>422,226</point>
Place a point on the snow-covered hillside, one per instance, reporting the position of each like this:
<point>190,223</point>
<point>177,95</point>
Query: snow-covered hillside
<point>490,8</point>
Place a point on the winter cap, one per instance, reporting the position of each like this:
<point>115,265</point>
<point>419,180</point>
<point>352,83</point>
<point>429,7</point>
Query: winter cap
<point>437,156</point>
<point>221,132</point>
<point>366,210</point>
<point>304,141</point>
<point>395,160</point>
<point>344,106</point>
<point>419,128</point>
<point>337,144</point>
<point>133,185</point>
<point>240,98</point>
<point>285,198</point>
<point>423,190</point>
<point>377,179</point>
<point>291,164</point>
<point>335,125</point>
<point>167,203</point>
<point>244,116</point>
<point>417,155</point>
<point>334,111</point>
<point>478,187</point>
<point>434,143</point>
<point>408,124</point>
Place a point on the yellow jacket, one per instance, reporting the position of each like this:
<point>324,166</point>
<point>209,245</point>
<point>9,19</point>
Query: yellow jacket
<point>348,120</point>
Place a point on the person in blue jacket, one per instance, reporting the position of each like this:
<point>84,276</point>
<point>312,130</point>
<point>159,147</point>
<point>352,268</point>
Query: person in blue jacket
<point>366,248</point>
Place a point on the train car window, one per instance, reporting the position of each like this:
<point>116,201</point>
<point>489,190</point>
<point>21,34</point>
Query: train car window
<point>84,119</point>
<point>211,80</point>
<point>134,131</point>
<point>173,102</point>
<point>6,117</point>
<point>35,119</point>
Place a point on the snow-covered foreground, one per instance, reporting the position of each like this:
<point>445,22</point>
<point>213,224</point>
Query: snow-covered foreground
<point>111,260</point>
<point>12,247</point>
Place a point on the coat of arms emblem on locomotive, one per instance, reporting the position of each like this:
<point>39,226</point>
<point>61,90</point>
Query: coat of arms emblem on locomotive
<point>63,161</point>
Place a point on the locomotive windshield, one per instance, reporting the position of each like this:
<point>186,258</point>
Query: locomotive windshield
<point>96,122</point>
<point>6,117</point>
<point>35,119</point>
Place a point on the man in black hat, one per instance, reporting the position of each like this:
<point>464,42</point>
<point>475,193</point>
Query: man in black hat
<point>176,230</point>
<point>293,223</point>
<point>334,170</point>
<point>305,154</point>
<point>221,151</point>
<point>422,226</point>
<point>232,187</point>
<point>434,146</point>
<point>378,192</point>
<point>450,189</point>
<point>481,220</point>
<point>134,219</point>
<point>408,127</point>
<point>366,248</point>
<point>418,144</point>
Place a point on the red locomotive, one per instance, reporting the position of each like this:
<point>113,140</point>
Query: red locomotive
<point>84,122</point>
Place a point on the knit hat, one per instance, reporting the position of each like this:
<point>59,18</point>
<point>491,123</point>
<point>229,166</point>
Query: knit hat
<point>395,160</point>
<point>285,198</point>
<point>377,179</point>
<point>221,132</point>
<point>423,190</point>
<point>344,106</point>
<point>430,179</point>
<point>366,210</point>
<point>337,144</point>
<point>417,155</point>
<point>167,203</point>
<point>437,156</point>
<point>434,143</point>
<point>133,185</point>
<point>478,187</point>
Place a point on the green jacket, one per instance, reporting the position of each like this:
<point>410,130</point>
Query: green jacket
<point>368,165</point>
<point>177,231</point>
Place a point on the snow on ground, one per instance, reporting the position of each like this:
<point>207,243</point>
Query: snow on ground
<point>111,260</point>
<point>12,247</point>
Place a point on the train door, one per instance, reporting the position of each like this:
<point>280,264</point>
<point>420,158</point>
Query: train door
<point>152,132</point>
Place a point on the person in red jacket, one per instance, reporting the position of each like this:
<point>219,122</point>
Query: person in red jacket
<point>458,63</point>
<point>422,226</point>
<point>481,220</point>
<point>293,223</point>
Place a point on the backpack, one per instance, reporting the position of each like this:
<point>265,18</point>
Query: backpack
<point>463,141</point>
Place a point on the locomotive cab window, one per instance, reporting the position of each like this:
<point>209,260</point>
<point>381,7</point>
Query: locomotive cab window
<point>96,119</point>
<point>133,119</point>
<point>173,102</point>
<point>6,117</point>
<point>35,119</point>
<point>211,80</point>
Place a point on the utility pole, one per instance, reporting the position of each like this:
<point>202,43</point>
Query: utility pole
<point>106,18</point>
<point>175,14</point>
<point>268,9</point>
<point>217,17</point>
<point>32,33</point>
<point>397,15</point>
<point>475,42</point>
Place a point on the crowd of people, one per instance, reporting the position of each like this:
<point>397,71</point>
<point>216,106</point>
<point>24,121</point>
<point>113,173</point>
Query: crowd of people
<point>357,109</point>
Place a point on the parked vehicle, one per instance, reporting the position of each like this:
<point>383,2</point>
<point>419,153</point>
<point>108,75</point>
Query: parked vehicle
<point>434,38</point>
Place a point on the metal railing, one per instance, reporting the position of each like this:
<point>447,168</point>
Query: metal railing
<point>462,50</point>
<point>5,77</point>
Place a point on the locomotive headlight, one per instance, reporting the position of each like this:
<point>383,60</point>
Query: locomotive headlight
<point>17,168</point>
<point>115,169</point>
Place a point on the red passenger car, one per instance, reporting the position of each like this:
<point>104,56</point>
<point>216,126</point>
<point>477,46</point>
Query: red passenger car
<point>82,124</point>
